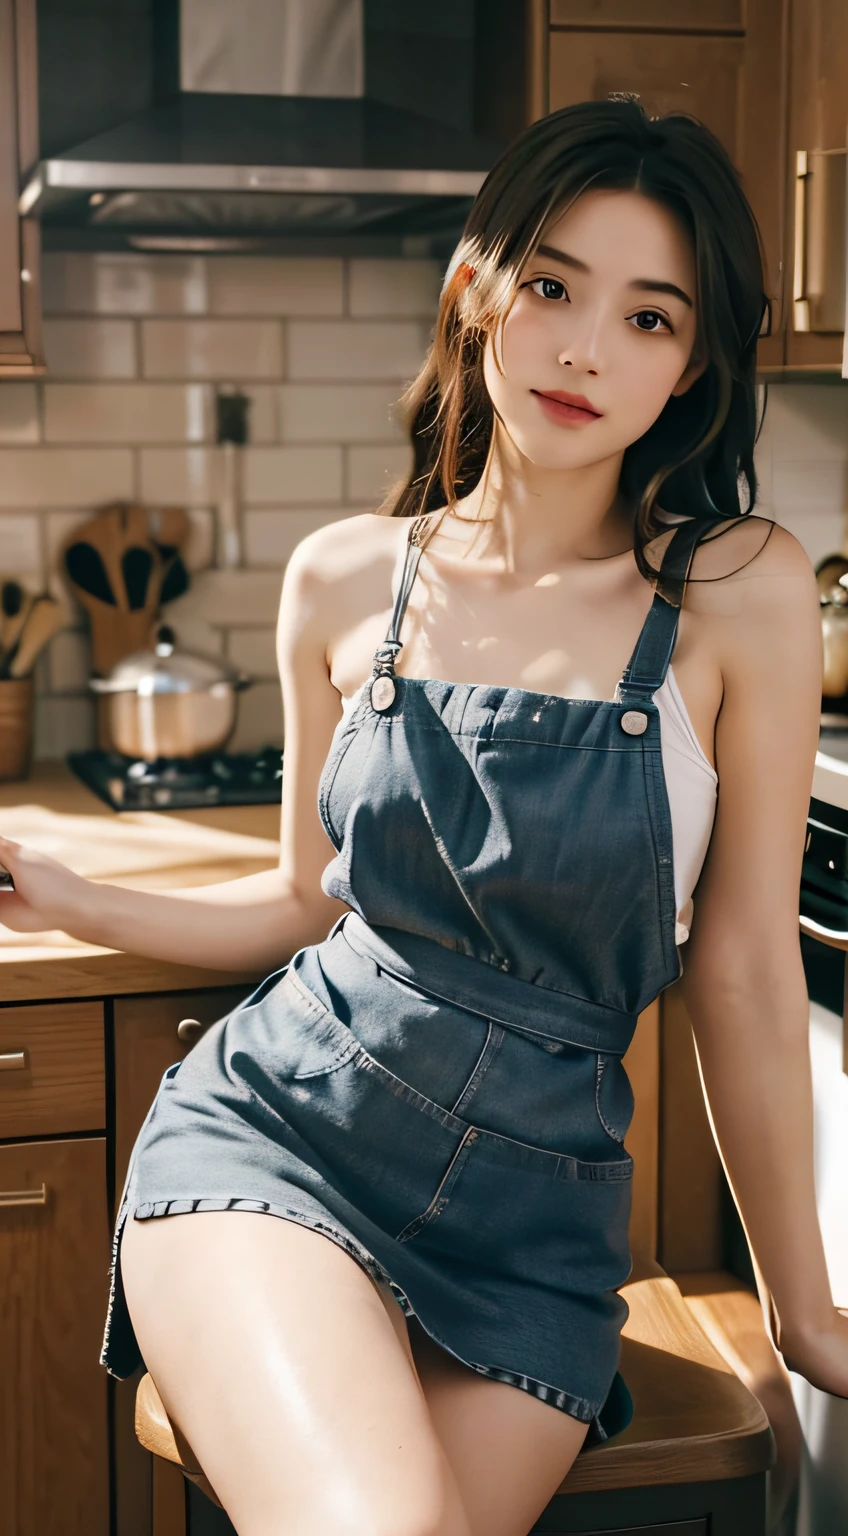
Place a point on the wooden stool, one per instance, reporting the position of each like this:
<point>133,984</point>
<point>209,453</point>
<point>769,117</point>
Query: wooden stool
<point>695,1422</point>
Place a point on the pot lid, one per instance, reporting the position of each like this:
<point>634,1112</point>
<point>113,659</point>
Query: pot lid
<point>165,669</point>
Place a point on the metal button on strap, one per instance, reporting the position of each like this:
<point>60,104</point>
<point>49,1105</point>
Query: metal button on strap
<point>634,722</point>
<point>382,692</point>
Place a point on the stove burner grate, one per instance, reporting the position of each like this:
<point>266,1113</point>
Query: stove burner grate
<point>220,778</point>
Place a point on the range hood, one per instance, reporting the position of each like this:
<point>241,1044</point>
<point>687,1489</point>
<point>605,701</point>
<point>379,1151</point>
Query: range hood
<point>276,133</point>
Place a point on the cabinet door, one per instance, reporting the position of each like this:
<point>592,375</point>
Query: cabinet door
<point>717,59</point>
<point>815,245</point>
<point>54,1261</point>
<point>145,1043</point>
<point>21,350</point>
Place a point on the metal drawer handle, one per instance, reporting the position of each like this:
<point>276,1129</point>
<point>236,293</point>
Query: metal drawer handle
<point>12,1061</point>
<point>23,1196</point>
<point>800,302</point>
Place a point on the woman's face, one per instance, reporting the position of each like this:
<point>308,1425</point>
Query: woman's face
<point>605,312</point>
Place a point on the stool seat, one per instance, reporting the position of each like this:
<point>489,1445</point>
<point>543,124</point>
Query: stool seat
<point>694,1420</point>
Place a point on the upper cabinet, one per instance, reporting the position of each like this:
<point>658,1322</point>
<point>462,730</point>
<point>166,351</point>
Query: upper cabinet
<point>21,350</point>
<point>770,78</point>
<point>721,60</point>
<point>816,172</point>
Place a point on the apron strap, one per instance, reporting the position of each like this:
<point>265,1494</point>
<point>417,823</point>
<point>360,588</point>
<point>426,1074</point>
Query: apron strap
<point>645,672</point>
<point>386,654</point>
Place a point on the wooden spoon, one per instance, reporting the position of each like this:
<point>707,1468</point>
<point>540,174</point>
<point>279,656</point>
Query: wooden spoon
<point>45,617</point>
<point>115,632</point>
<point>16,606</point>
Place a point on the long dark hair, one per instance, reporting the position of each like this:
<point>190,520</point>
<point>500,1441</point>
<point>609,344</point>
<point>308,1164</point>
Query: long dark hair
<point>700,450</point>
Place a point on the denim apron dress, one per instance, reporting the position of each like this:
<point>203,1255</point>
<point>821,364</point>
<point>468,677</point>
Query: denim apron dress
<point>438,1085</point>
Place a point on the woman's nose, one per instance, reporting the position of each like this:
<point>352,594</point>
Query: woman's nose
<point>581,351</point>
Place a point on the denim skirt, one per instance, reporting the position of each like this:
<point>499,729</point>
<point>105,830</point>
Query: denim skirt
<point>476,1171</point>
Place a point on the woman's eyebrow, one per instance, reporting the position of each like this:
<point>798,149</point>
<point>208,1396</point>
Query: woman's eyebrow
<point>654,285</point>
<point>642,284</point>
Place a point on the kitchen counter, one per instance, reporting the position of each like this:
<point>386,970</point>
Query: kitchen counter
<point>145,850</point>
<point>162,850</point>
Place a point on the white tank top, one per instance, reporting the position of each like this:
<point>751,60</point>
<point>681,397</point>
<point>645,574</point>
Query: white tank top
<point>691,784</point>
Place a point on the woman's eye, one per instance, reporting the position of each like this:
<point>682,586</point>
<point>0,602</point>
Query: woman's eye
<point>650,320</point>
<point>549,288</point>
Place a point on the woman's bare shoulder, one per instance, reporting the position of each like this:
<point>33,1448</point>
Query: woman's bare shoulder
<point>753,598</point>
<point>338,552</point>
<point>749,564</point>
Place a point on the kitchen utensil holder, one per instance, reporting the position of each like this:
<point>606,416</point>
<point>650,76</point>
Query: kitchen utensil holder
<point>16,722</point>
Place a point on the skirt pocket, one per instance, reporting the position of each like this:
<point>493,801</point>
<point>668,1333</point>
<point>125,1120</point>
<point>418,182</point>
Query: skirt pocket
<point>562,1224</point>
<point>285,1033</point>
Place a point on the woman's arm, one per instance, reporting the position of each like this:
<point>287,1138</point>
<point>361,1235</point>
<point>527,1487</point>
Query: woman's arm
<point>743,980</point>
<point>257,922</point>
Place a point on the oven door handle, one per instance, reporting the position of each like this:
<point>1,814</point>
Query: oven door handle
<point>832,936</point>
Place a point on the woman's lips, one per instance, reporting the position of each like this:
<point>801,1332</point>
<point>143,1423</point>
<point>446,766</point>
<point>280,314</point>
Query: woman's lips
<point>567,410</point>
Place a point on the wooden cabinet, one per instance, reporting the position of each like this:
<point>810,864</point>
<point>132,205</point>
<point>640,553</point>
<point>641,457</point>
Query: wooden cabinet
<point>54,1255</point>
<point>770,78</point>
<point>721,60</point>
<point>58,1200</point>
<point>52,1075</point>
<point>21,348</point>
<point>816,175</point>
<point>146,1042</point>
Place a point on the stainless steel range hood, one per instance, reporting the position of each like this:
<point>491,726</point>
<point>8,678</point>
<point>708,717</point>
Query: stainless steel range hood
<point>273,134</point>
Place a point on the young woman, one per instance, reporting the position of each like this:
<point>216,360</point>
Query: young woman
<point>517,828</point>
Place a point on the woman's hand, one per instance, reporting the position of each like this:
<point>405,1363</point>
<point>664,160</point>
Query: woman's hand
<point>47,894</point>
<point>821,1356</point>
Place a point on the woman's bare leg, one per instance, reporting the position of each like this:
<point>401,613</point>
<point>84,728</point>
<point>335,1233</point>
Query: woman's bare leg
<point>290,1376</point>
<point>509,1451</point>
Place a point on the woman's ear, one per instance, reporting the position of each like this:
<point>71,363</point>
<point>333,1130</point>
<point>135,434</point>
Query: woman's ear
<point>693,370</point>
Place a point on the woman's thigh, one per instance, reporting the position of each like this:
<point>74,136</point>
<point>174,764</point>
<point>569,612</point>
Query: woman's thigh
<point>509,1451</point>
<point>290,1376</point>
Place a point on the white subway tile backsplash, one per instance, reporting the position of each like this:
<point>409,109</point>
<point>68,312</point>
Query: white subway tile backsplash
<point>19,413</point>
<point>335,350</point>
<point>819,530</point>
<point>808,422</point>
<point>260,719</point>
<point>254,650</point>
<point>123,283</point>
<point>199,549</point>
<point>63,725</point>
<point>230,599</point>
<point>272,535</point>
<point>20,551</point>
<point>339,413</point>
<point>64,477</point>
<point>69,659</point>
<point>211,349</point>
<point>128,413</point>
<point>90,349</point>
<point>186,477</point>
<point>323,347</point>
<point>280,475</point>
<point>372,470</point>
<point>58,528</point>
<point>402,288</point>
<point>809,485</point>
<point>275,285</point>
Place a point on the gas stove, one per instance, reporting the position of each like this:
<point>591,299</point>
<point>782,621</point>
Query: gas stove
<point>219,778</point>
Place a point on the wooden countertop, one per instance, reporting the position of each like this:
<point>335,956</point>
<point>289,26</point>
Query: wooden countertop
<point>146,850</point>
